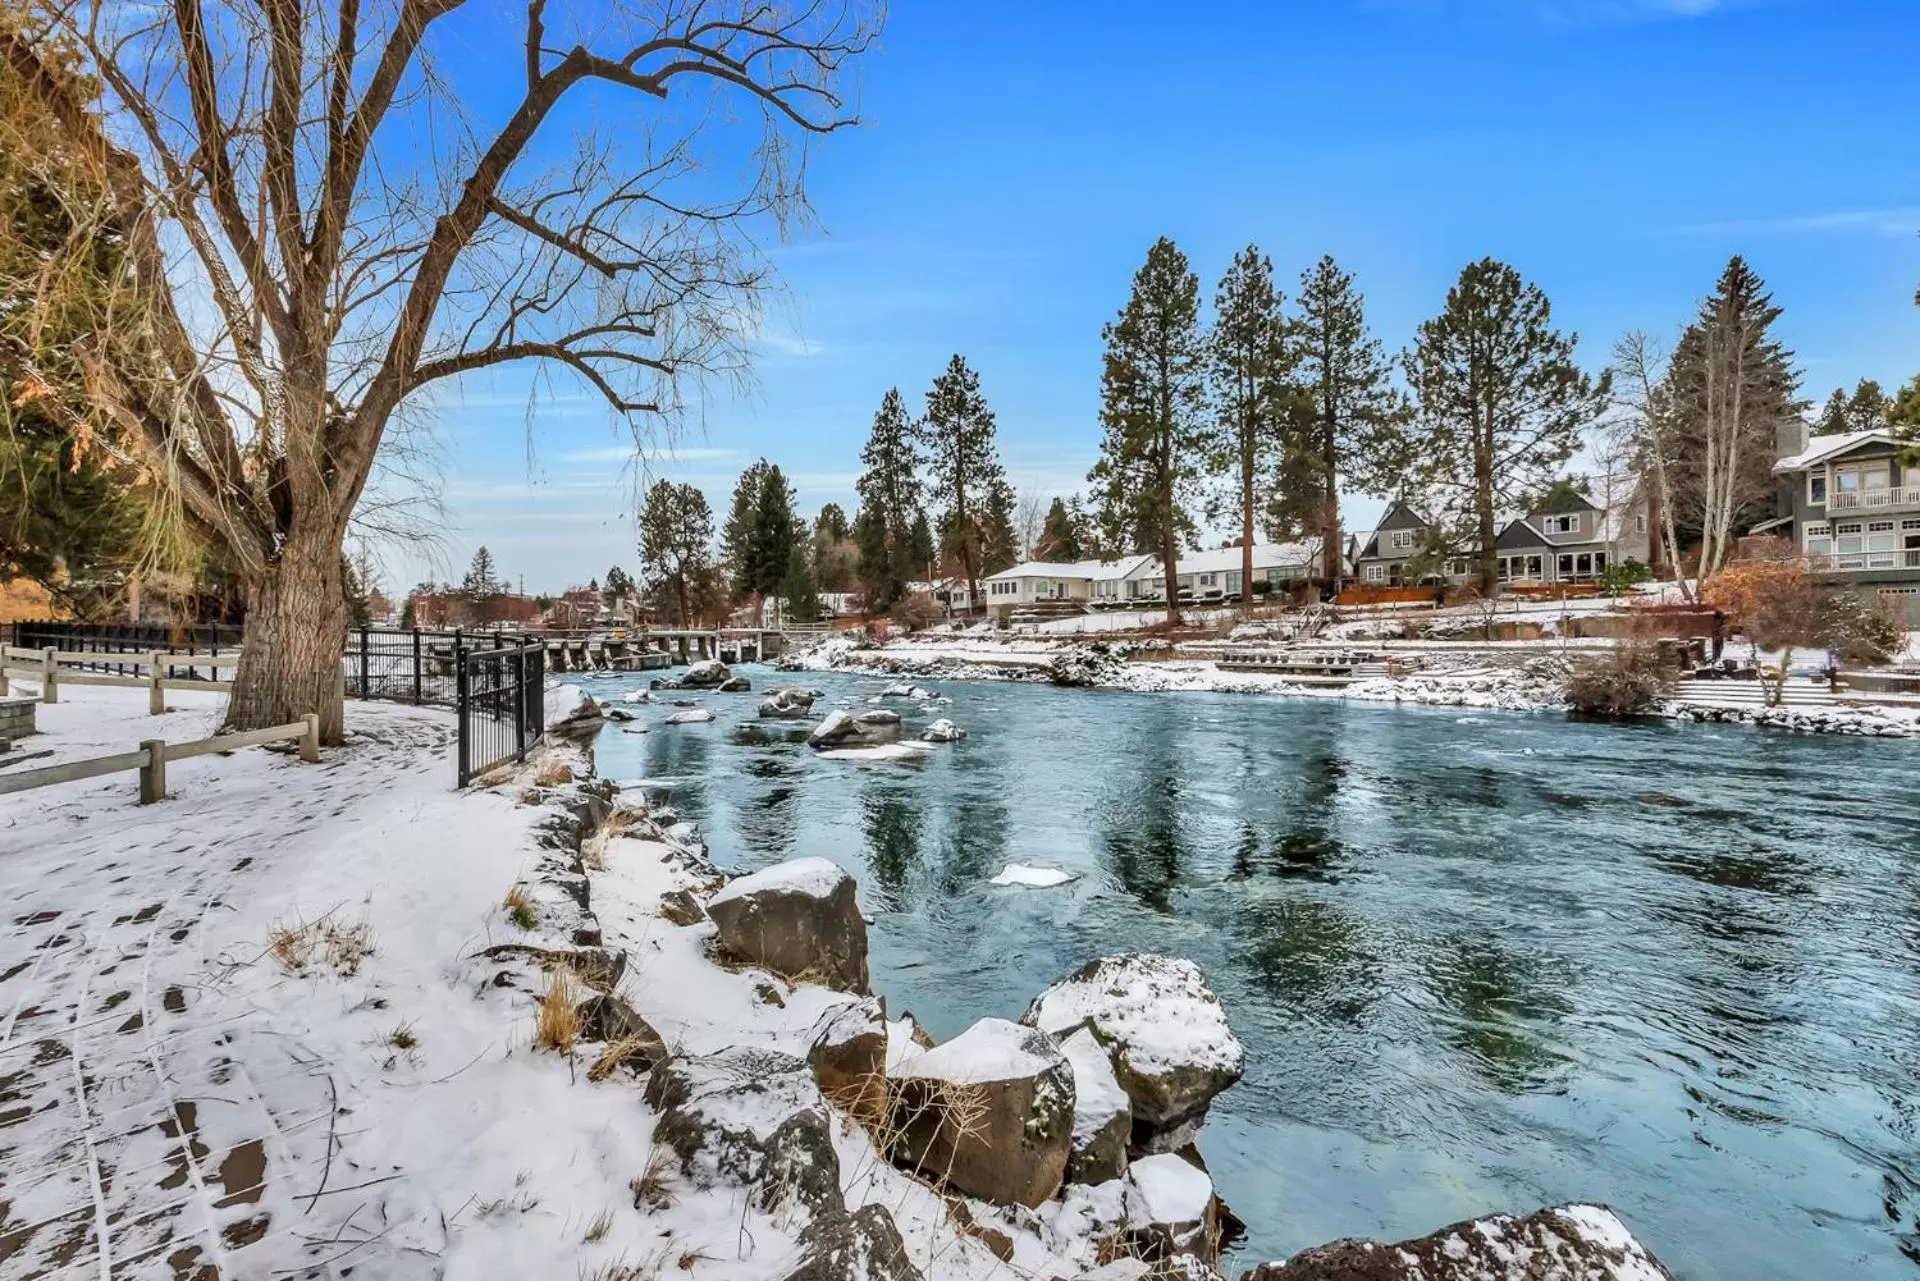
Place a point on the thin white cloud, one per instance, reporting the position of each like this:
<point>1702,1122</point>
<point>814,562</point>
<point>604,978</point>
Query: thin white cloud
<point>626,453</point>
<point>1898,221</point>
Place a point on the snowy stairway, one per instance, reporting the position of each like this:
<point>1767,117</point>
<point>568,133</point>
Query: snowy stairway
<point>1745,693</point>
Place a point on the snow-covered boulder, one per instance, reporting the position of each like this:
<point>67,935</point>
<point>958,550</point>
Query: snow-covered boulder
<point>734,685</point>
<point>571,712</point>
<point>1084,665</point>
<point>708,673</point>
<point>690,716</point>
<point>751,1118</point>
<point>1171,1209</point>
<point>1163,1030</point>
<point>844,729</point>
<point>849,1058</point>
<point>800,919</point>
<point>943,731</point>
<point>1102,1116</point>
<point>990,1113</point>
<point>1568,1243</point>
<point>789,702</point>
<point>862,1246</point>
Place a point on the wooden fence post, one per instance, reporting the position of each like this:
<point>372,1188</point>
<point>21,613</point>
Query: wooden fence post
<point>153,775</point>
<point>49,676</point>
<point>310,740</point>
<point>156,688</point>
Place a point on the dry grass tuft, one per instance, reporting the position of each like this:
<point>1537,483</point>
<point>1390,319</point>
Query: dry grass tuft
<point>558,1025</point>
<point>651,1190</point>
<point>302,946</point>
<point>616,1053</point>
<point>622,1270</point>
<point>519,908</point>
<point>402,1037</point>
<point>689,1259</point>
<point>598,1229</point>
<point>554,775</point>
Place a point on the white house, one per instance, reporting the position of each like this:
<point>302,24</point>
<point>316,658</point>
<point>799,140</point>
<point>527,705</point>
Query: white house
<point>1216,571</point>
<point>1084,580</point>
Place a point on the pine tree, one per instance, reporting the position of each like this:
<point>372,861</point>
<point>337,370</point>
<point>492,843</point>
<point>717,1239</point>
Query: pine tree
<point>1152,396</point>
<point>889,488</point>
<point>776,530</point>
<point>1502,404</point>
<point>958,432</point>
<point>831,521</point>
<point>922,551</point>
<point>1865,410</point>
<point>1249,366</point>
<point>999,542</point>
<point>1903,415</point>
<point>1062,534</point>
<point>797,586</point>
<point>736,535</point>
<point>676,541</point>
<point>1351,412</point>
<point>618,586</point>
<point>481,583</point>
<point>1733,403</point>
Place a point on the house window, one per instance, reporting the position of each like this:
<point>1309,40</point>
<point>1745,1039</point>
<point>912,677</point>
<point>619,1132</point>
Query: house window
<point>1816,489</point>
<point>1376,573</point>
<point>1640,523</point>
<point>1879,526</point>
<point>1233,582</point>
<point>1401,540</point>
<point>1563,524</point>
<point>1206,580</point>
<point>1599,562</point>
<point>1565,564</point>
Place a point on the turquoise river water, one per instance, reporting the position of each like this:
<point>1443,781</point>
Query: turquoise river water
<point>1480,961</point>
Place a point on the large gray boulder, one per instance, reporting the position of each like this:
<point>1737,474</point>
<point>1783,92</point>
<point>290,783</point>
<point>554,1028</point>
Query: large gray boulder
<point>789,702</point>
<point>1172,1210</point>
<point>801,919</point>
<point>708,673</point>
<point>735,685</point>
<point>1567,1243</point>
<point>750,1118</point>
<point>989,1113</point>
<point>846,729</point>
<point>1164,1032</point>
<point>1102,1116</point>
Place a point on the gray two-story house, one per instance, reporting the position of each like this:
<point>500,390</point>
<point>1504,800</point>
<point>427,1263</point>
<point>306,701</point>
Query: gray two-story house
<point>1569,540</point>
<point>1854,511</point>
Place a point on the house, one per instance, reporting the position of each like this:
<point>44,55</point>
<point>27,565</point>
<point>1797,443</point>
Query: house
<point>1853,509</point>
<point>1043,581</point>
<point>1215,573</point>
<point>1569,538</point>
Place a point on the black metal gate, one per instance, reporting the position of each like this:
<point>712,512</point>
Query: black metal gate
<point>501,704</point>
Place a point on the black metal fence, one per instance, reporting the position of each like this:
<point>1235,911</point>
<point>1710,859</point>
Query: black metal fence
<point>212,639</point>
<point>413,665</point>
<point>501,702</point>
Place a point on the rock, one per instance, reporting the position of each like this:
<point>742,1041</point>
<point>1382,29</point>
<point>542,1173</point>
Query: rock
<point>849,1058</point>
<point>943,731</point>
<point>1567,1243</point>
<point>1164,1032</point>
<point>608,1018</point>
<point>844,729</point>
<point>800,919</point>
<point>571,713</point>
<point>692,716</point>
<point>751,1118</point>
<point>1171,1210</point>
<point>990,1113</point>
<point>862,1246</point>
<point>1084,665</point>
<point>708,673</point>
<point>787,703</point>
<point>734,685</point>
<point>995,1239</point>
<point>1102,1117</point>
<point>619,714</point>
<point>682,907</point>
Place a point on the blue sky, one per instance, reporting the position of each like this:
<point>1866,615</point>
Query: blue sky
<point>1018,158</point>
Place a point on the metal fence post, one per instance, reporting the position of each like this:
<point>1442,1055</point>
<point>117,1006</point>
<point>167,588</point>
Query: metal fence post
<point>520,703</point>
<point>464,723</point>
<point>366,689</point>
<point>153,775</point>
<point>416,667</point>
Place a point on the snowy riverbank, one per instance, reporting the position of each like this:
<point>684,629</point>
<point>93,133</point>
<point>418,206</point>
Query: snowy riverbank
<point>1515,677</point>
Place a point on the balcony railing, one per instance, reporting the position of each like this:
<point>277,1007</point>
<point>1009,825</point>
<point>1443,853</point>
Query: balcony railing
<point>1874,499</point>
<point>1908,559</point>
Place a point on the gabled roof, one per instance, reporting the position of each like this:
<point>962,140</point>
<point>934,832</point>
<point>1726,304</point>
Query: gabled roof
<point>1368,546</point>
<point>1821,448</point>
<point>1298,554</point>
<point>1093,570</point>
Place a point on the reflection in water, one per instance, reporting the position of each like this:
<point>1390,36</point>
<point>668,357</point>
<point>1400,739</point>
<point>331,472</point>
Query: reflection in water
<point>1473,966</point>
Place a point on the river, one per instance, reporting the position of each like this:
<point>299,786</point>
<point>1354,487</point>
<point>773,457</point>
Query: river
<point>1484,961</point>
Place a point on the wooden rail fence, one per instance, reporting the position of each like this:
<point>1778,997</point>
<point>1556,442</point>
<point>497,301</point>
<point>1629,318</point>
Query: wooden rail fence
<point>47,665</point>
<point>152,757</point>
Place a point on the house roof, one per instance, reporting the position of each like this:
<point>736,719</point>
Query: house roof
<point>1088,569</point>
<point>1298,554</point>
<point>1820,448</point>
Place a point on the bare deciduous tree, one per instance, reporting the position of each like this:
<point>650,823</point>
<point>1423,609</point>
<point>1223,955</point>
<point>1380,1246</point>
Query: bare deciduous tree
<point>319,230</point>
<point>1644,433</point>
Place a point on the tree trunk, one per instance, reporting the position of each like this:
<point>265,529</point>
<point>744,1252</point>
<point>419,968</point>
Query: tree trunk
<point>1246,514</point>
<point>1331,562</point>
<point>1483,512</point>
<point>296,629</point>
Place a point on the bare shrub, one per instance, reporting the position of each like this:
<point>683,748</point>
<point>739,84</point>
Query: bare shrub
<point>1630,680</point>
<point>301,946</point>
